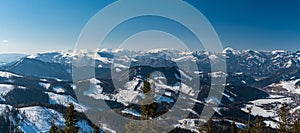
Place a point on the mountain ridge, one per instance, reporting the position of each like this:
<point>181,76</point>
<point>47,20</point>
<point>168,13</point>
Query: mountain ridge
<point>260,79</point>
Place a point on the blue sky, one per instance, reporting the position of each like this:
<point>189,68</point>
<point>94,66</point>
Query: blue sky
<point>37,26</point>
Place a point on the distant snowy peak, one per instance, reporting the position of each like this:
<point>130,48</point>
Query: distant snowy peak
<point>229,50</point>
<point>104,58</point>
<point>177,53</point>
<point>53,57</point>
<point>278,51</point>
<point>159,50</point>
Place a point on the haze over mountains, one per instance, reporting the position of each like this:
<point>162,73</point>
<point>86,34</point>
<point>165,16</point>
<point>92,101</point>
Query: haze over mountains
<point>6,58</point>
<point>259,79</point>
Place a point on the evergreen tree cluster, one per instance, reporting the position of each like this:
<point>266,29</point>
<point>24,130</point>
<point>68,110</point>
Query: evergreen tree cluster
<point>10,120</point>
<point>70,122</point>
<point>71,119</point>
<point>148,107</point>
<point>287,124</point>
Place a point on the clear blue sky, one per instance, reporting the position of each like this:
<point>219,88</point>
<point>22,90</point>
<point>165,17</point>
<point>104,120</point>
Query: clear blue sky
<point>30,26</point>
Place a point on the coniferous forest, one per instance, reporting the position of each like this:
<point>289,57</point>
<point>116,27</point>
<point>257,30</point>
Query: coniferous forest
<point>12,117</point>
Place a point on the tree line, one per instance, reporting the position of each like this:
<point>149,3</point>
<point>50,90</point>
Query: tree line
<point>9,122</point>
<point>287,124</point>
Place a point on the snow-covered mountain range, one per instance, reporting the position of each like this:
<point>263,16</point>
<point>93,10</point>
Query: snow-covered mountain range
<point>40,84</point>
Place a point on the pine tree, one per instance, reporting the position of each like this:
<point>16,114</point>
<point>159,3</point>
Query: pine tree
<point>296,126</point>
<point>210,128</point>
<point>4,123</point>
<point>148,107</point>
<point>258,126</point>
<point>233,128</point>
<point>96,129</point>
<point>149,110</point>
<point>283,126</point>
<point>71,120</point>
<point>53,129</point>
<point>248,129</point>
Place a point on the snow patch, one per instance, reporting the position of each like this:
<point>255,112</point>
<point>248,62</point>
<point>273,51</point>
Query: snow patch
<point>288,85</point>
<point>4,89</point>
<point>131,112</point>
<point>272,124</point>
<point>259,111</point>
<point>58,89</point>
<point>212,100</point>
<point>38,119</point>
<point>64,100</point>
<point>8,74</point>
<point>45,85</point>
<point>95,90</point>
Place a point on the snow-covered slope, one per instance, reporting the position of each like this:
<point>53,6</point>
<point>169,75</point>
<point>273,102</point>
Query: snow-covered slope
<point>49,74</point>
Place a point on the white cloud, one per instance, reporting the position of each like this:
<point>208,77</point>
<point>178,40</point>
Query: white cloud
<point>4,41</point>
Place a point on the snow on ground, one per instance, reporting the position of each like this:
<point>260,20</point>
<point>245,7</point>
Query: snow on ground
<point>196,101</point>
<point>158,50</point>
<point>131,112</point>
<point>213,57</point>
<point>218,74</point>
<point>163,86</point>
<point>65,100</point>
<point>190,124</point>
<point>168,94</point>
<point>228,97</point>
<point>259,111</point>
<point>191,110</point>
<point>33,56</point>
<point>288,64</point>
<point>212,100</point>
<point>276,96</point>
<point>218,110</point>
<point>257,108</point>
<point>3,106</point>
<point>8,74</point>
<point>106,128</point>
<point>58,89</point>
<point>198,72</point>
<point>243,81</point>
<point>274,100</point>
<point>4,89</point>
<point>118,70</point>
<point>45,85</point>
<point>238,124</point>
<point>127,95</point>
<point>177,87</point>
<point>95,90</point>
<point>271,124</point>
<point>44,80</point>
<point>288,85</point>
<point>295,109</point>
<point>186,58</point>
<point>38,119</point>
<point>187,90</point>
